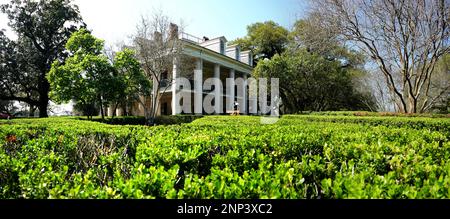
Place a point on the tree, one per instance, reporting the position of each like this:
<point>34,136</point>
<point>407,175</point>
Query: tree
<point>86,76</point>
<point>7,107</point>
<point>312,35</point>
<point>17,65</point>
<point>264,39</point>
<point>137,86</point>
<point>43,28</point>
<point>405,39</point>
<point>158,48</point>
<point>311,82</point>
<point>86,109</point>
<point>439,82</point>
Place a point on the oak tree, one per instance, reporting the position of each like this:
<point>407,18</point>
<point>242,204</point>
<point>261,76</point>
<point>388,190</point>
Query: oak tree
<point>43,28</point>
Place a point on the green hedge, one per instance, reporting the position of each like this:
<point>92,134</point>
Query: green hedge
<point>436,124</point>
<point>140,120</point>
<point>366,113</point>
<point>226,157</point>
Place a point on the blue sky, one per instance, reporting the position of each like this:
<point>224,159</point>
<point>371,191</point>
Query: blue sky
<point>115,20</point>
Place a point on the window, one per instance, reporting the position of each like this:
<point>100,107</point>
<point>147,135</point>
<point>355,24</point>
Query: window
<point>238,54</point>
<point>164,82</point>
<point>222,47</point>
<point>165,75</point>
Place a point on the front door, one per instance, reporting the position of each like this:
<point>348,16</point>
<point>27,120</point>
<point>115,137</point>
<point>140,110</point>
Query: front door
<point>164,109</point>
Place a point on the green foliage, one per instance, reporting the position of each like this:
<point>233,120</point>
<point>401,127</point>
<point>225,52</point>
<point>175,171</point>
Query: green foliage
<point>316,71</point>
<point>377,114</point>
<point>88,109</point>
<point>307,156</point>
<point>311,82</point>
<point>7,107</point>
<point>140,120</point>
<point>264,39</point>
<point>132,77</point>
<point>83,43</point>
<point>43,28</point>
<point>89,78</point>
<point>86,76</point>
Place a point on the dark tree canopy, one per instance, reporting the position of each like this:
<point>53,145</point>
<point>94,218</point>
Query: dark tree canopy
<point>7,107</point>
<point>309,82</point>
<point>264,39</point>
<point>43,28</point>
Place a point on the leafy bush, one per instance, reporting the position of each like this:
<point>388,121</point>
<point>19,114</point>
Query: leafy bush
<point>172,120</point>
<point>227,157</point>
<point>366,113</point>
<point>140,120</point>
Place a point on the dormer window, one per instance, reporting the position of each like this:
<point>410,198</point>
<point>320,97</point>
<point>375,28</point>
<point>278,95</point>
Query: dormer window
<point>217,45</point>
<point>222,47</point>
<point>246,57</point>
<point>238,54</point>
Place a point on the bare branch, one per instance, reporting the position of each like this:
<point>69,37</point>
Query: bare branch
<point>404,38</point>
<point>158,45</point>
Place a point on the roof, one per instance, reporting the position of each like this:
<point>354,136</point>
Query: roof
<point>222,56</point>
<point>221,37</point>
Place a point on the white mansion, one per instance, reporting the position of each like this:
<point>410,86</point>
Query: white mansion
<point>214,59</point>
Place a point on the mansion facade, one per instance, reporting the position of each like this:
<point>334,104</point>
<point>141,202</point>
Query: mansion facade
<point>212,58</point>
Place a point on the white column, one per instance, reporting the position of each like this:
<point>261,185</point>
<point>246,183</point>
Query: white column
<point>198,87</point>
<point>175,103</point>
<point>111,110</point>
<point>217,99</point>
<point>230,90</point>
<point>252,96</point>
<point>244,96</point>
<point>119,111</point>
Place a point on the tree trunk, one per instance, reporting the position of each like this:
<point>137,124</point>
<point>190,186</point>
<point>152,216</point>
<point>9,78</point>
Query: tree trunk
<point>114,110</point>
<point>155,110</point>
<point>43,98</point>
<point>125,109</point>
<point>154,104</point>
<point>413,107</point>
<point>101,111</point>
<point>32,111</point>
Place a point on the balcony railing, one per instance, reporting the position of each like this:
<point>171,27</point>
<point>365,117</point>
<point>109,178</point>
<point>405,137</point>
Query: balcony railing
<point>191,38</point>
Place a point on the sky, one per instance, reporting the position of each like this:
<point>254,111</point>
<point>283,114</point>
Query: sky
<point>116,20</point>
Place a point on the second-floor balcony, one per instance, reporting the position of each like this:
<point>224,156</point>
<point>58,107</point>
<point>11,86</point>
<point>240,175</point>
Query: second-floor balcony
<point>190,38</point>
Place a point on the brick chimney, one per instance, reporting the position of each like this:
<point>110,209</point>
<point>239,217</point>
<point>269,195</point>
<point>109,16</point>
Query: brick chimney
<point>157,36</point>
<point>173,31</point>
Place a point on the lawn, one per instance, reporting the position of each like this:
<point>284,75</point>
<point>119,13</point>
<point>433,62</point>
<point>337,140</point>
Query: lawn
<point>300,156</point>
